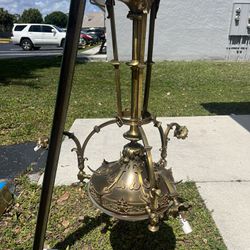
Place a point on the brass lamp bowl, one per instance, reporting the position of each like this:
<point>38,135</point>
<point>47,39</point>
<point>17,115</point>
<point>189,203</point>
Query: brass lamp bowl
<point>122,189</point>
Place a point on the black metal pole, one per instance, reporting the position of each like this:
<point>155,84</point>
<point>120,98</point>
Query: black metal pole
<point>77,8</point>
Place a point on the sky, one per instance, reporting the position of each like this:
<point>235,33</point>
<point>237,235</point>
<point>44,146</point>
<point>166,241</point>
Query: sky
<point>44,6</point>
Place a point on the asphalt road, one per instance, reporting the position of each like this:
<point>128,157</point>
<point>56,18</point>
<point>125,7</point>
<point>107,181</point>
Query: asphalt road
<point>15,159</point>
<point>14,51</point>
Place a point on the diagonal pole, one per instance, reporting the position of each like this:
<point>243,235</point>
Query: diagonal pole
<point>77,8</point>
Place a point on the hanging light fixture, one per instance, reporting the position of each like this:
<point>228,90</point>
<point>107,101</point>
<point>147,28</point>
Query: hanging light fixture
<point>135,187</point>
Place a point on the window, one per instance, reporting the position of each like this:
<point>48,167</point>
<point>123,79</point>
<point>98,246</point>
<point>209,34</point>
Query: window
<point>59,29</point>
<point>19,27</point>
<point>35,28</point>
<point>47,29</point>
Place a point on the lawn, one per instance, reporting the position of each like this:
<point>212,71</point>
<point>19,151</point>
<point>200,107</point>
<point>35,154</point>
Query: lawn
<point>27,99</point>
<point>75,224</point>
<point>29,86</point>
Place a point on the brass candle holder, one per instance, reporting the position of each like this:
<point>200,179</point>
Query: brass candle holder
<point>134,187</point>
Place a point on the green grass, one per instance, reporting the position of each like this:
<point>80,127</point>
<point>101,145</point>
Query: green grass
<point>28,90</point>
<point>75,224</point>
<point>27,97</point>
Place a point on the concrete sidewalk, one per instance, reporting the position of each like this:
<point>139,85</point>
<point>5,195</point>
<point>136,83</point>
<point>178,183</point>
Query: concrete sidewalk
<point>215,155</point>
<point>92,55</point>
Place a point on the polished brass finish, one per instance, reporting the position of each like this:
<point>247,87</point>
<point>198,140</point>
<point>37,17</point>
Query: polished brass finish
<point>138,6</point>
<point>122,188</point>
<point>134,187</point>
<point>137,66</point>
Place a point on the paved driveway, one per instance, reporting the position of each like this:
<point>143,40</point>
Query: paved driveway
<point>12,51</point>
<point>15,159</point>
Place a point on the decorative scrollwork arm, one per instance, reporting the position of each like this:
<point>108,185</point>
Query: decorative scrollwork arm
<point>80,150</point>
<point>80,158</point>
<point>180,132</point>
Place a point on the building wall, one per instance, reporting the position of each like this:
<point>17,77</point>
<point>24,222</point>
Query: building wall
<point>93,19</point>
<point>185,30</point>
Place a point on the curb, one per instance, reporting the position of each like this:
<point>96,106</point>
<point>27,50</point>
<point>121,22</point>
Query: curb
<point>4,40</point>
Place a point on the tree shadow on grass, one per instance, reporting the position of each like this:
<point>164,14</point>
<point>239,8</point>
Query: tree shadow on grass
<point>16,71</point>
<point>89,224</point>
<point>136,236</point>
<point>227,108</point>
<point>124,235</point>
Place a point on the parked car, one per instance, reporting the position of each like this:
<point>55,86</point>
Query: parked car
<point>98,32</point>
<point>87,39</point>
<point>31,36</point>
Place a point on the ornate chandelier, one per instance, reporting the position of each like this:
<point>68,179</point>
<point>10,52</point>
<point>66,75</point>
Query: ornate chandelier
<point>135,187</point>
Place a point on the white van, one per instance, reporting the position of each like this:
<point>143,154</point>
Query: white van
<point>32,35</point>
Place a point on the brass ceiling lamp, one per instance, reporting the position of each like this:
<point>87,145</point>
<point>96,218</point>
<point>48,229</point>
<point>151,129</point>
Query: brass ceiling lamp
<point>134,187</point>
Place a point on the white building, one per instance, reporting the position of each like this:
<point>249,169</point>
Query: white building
<point>191,30</point>
<point>93,19</point>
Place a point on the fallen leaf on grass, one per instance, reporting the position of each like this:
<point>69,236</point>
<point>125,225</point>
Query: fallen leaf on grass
<point>65,223</point>
<point>63,198</point>
<point>66,231</point>
<point>17,230</point>
<point>204,240</point>
<point>81,218</point>
<point>87,247</point>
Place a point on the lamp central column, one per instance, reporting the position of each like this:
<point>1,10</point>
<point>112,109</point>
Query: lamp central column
<point>137,66</point>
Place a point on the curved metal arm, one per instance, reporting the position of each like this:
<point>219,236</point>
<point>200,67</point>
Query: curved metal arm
<point>149,157</point>
<point>80,150</point>
<point>97,129</point>
<point>164,142</point>
<point>81,175</point>
<point>180,132</point>
<point>155,193</point>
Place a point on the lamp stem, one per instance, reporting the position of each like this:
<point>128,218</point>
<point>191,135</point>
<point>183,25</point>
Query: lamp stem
<point>137,67</point>
<point>110,8</point>
<point>150,62</point>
